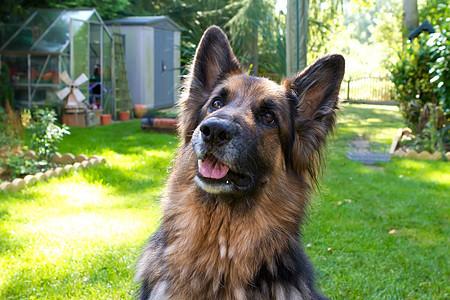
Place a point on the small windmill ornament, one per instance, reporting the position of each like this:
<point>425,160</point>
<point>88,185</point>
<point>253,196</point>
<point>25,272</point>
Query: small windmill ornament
<point>72,90</point>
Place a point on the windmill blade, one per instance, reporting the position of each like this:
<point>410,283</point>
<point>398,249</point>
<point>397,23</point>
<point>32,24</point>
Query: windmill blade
<point>63,93</point>
<point>65,78</point>
<point>78,95</point>
<point>81,79</point>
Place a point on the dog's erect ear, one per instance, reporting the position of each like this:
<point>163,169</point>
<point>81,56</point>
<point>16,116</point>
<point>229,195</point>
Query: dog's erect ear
<point>317,89</point>
<point>318,86</point>
<point>214,60</point>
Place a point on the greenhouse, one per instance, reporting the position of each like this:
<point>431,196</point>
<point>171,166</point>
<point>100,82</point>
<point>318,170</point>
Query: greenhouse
<point>50,42</point>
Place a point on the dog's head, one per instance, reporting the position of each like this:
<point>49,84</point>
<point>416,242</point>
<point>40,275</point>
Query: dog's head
<point>243,128</point>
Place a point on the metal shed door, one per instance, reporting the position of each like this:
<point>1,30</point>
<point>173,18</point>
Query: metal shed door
<point>164,68</point>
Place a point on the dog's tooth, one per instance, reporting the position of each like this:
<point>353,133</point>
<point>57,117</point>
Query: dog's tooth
<point>199,163</point>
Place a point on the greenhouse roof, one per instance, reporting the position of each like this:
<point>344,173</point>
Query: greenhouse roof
<point>47,30</point>
<point>161,22</point>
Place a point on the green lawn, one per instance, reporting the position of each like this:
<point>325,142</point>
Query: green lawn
<point>79,236</point>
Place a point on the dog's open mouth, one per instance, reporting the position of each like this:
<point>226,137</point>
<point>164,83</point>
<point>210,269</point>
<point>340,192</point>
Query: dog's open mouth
<point>212,171</point>
<point>212,168</point>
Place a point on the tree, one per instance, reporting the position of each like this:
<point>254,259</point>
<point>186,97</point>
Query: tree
<point>410,16</point>
<point>296,35</point>
<point>247,25</point>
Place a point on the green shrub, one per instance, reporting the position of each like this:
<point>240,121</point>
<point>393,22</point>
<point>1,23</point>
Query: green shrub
<point>11,131</point>
<point>422,88</point>
<point>45,134</point>
<point>19,165</point>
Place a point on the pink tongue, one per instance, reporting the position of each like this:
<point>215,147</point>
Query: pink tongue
<point>213,168</point>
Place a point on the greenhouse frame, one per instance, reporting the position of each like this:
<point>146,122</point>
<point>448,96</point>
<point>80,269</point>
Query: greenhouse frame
<point>52,41</point>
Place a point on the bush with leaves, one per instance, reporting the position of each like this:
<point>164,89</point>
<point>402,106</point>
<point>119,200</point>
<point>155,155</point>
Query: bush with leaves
<point>46,134</point>
<point>12,163</point>
<point>11,131</point>
<point>422,88</point>
<point>20,165</point>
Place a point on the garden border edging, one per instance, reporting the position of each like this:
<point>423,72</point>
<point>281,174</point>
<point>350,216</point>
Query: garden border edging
<point>72,163</point>
<point>413,154</point>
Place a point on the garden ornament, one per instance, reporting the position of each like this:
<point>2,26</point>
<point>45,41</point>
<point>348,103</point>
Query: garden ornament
<point>72,90</point>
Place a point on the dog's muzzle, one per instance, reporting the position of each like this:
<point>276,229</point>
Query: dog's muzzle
<point>217,148</point>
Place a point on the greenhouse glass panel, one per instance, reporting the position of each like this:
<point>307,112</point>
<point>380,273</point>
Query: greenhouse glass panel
<point>65,62</point>
<point>107,75</point>
<point>95,57</point>
<point>6,32</point>
<point>18,70</point>
<point>44,80</point>
<point>79,53</point>
<point>32,31</point>
<point>57,38</point>
<point>94,18</point>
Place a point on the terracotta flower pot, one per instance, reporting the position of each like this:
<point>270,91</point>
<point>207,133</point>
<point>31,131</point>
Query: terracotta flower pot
<point>140,110</point>
<point>124,115</point>
<point>106,119</point>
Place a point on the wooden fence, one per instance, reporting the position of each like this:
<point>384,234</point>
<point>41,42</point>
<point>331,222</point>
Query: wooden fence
<point>367,89</point>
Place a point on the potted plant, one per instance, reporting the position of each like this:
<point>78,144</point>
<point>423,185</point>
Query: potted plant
<point>140,110</point>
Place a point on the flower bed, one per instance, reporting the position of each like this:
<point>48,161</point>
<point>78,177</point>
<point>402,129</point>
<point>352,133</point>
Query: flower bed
<point>405,152</point>
<point>67,163</point>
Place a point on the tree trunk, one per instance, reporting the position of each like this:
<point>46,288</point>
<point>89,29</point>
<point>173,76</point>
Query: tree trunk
<point>296,35</point>
<point>410,16</point>
<point>254,54</point>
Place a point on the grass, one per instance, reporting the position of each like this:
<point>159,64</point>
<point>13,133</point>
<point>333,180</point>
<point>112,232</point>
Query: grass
<point>78,237</point>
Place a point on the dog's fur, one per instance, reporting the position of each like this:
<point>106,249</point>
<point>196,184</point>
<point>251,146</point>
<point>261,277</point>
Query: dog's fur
<point>237,237</point>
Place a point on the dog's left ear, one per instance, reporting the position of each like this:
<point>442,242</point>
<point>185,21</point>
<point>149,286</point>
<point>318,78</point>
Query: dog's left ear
<point>317,89</point>
<point>318,86</point>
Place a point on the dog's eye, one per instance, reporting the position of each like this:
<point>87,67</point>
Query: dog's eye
<point>268,118</point>
<point>217,103</point>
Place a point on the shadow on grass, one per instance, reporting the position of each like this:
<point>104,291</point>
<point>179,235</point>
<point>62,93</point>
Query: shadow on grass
<point>356,119</point>
<point>127,181</point>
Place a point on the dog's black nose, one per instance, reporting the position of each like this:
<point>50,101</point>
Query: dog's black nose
<point>216,132</point>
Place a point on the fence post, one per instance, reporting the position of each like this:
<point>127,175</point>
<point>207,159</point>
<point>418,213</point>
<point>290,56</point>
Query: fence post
<point>348,89</point>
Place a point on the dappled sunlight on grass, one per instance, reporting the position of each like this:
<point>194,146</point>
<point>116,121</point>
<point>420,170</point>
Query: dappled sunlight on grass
<point>355,119</point>
<point>78,236</point>
<point>434,172</point>
<point>80,193</point>
<point>78,229</point>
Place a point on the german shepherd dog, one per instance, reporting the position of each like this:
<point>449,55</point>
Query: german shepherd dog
<point>250,156</point>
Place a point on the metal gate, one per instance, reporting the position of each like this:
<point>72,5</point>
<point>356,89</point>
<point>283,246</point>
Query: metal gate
<point>367,89</point>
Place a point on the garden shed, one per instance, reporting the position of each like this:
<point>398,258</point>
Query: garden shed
<point>152,55</point>
<point>50,42</point>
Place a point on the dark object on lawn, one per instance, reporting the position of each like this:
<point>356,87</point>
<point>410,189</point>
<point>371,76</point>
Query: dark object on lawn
<point>425,26</point>
<point>367,153</point>
<point>161,125</point>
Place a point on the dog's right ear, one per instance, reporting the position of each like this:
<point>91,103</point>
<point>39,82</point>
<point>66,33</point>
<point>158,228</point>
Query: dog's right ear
<point>214,60</point>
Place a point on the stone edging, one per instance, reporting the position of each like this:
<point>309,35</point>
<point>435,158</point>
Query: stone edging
<point>413,154</point>
<point>72,163</point>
